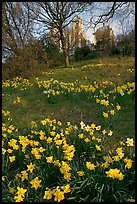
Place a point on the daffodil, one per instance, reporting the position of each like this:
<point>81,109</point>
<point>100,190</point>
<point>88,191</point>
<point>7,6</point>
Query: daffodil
<point>118,107</point>
<point>18,198</point>
<point>21,191</point>
<point>12,158</point>
<point>67,176</point>
<point>128,163</point>
<point>93,125</point>
<point>49,140</point>
<point>3,151</point>
<point>98,148</point>
<point>49,159</point>
<point>110,133</point>
<point>105,115</point>
<point>115,173</point>
<point>86,140</point>
<point>90,166</point>
<point>24,175</point>
<point>48,194</point>
<point>130,142</point>
<point>81,135</point>
<point>35,183</point>
<point>80,173</point>
<point>31,167</point>
<point>59,195</point>
<point>66,188</point>
<point>112,112</point>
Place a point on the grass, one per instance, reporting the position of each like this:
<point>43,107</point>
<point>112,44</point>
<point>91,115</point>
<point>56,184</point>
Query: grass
<point>35,107</point>
<point>72,106</point>
<point>102,69</point>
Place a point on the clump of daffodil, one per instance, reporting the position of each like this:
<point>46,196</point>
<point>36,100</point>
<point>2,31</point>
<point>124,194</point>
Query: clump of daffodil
<point>48,194</point>
<point>58,194</point>
<point>20,194</point>
<point>53,153</point>
<point>115,174</point>
<point>128,162</point>
<point>17,100</point>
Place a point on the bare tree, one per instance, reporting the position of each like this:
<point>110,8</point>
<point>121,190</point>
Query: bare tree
<point>16,26</point>
<point>18,19</point>
<point>58,15</point>
<point>103,12</point>
<point>125,20</point>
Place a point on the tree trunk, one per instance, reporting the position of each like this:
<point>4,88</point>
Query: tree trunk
<point>66,56</point>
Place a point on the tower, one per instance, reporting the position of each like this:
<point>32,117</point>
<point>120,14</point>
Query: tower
<point>77,31</point>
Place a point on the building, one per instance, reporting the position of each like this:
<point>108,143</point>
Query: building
<point>104,34</point>
<point>77,34</point>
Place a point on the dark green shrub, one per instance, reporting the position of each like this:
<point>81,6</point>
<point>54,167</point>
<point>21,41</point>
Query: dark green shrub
<point>54,56</point>
<point>84,53</point>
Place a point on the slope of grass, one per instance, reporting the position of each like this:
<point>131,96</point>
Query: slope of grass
<point>113,69</point>
<point>34,106</point>
<point>99,166</point>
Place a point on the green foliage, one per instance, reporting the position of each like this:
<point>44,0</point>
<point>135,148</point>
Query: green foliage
<point>54,56</point>
<point>32,59</point>
<point>26,62</point>
<point>126,44</point>
<point>104,40</point>
<point>84,53</point>
<point>114,50</point>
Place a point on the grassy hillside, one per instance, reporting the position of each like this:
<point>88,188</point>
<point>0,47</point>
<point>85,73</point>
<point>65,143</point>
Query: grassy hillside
<point>74,128</point>
<point>34,105</point>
